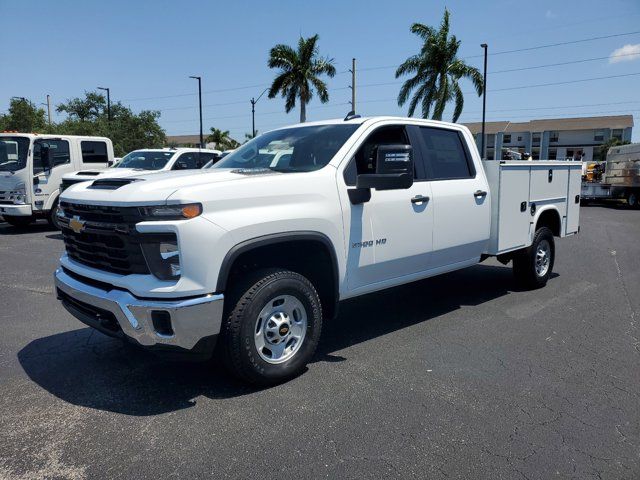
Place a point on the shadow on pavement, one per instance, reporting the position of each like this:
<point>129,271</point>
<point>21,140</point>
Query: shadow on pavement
<point>38,227</point>
<point>85,368</point>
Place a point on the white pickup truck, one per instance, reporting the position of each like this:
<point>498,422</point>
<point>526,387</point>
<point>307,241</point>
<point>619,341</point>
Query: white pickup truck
<point>252,254</point>
<point>151,160</point>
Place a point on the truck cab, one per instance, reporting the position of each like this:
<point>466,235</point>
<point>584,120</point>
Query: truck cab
<point>249,256</point>
<point>148,160</point>
<point>32,166</point>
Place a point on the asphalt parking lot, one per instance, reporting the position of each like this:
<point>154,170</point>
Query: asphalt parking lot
<point>460,376</point>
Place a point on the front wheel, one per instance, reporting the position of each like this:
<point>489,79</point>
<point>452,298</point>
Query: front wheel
<point>52,217</point>
<point>272,328</point>
<point>532,266</point>
<point>18,222</point>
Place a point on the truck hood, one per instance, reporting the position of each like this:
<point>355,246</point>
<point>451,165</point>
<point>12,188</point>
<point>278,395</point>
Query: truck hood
<point>10,181</point>
<point>152,188</point>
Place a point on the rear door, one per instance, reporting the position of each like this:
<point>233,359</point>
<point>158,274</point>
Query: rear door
<point>460,195</point>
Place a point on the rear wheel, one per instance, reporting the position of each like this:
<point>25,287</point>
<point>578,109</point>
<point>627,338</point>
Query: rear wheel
<point>532,266</point>
<point>633,199</point>
<point>272,328</point>
<point>19,222</point>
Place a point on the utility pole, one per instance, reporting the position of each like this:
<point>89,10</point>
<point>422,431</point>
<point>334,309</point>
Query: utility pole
<point>200,103</point>
<point>108,102</point>
<point>253,112</point>
<point>49,107</point>
<point>484,100</point>
<point>353,85</point>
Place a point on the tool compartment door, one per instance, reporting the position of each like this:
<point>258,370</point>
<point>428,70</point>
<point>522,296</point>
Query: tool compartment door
<point>573,199</point>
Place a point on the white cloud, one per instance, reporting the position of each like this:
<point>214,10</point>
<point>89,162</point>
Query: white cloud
<point>628,53</point>
<point>550,14</point>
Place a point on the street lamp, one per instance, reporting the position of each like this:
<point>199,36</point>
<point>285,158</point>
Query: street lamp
<point>253,112</point>
<point>108,102</point>
<point>200,102</point>
<point>484,98</point>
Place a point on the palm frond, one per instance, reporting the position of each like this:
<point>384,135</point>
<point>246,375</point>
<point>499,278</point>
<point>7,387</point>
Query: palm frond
<point>459,101</point>
<point>282,56</point>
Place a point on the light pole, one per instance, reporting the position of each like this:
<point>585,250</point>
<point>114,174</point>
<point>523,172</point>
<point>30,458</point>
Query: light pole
<point>108,102</point>
<point>484,98</point>
<point>200,103</point>
<point>253,112</point>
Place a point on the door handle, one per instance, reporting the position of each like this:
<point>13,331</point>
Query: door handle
<point>419,199</point>
<point>479,193</point>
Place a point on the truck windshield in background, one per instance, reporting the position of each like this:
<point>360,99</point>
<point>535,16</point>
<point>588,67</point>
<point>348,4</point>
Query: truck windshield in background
<point>298,149</point>
<point>145,160</point>
<point>13,153</point>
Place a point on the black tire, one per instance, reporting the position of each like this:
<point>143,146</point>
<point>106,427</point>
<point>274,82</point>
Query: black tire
<point>18,222</point>
<point>52,216</point>
<point>237,343</point>
<point>633,199</point>
<point>525,268</point>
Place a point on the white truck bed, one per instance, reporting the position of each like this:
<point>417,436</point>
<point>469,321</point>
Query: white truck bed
<point>518,185</point>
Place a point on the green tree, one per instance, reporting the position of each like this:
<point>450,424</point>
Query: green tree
<point>222,139</point>
<point>436,72</point>
<point>127,130</point>
<point>24,116</point>
<point>91,107</point>
<point>299,74</point>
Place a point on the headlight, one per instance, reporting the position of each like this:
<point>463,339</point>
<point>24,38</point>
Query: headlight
<point>163,256</point>
<point>172,212</point>
<point>19,195</point>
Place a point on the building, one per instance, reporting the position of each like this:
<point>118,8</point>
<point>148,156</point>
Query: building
<point>560,138</point>
<point>183,140</point>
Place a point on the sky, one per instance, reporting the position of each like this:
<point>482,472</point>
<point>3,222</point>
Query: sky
<point>145,51</point>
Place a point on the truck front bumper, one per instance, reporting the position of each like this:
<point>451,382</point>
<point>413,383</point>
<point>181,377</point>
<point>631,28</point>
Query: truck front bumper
<point>183,325</point>
<point>16,210</point>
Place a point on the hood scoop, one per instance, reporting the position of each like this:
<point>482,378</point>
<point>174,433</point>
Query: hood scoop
<point>88,173</point>
<point>112,183</point>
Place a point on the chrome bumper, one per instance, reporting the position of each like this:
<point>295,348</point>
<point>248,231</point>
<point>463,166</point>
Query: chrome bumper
<point>190,320</point>
<point>16,210</point>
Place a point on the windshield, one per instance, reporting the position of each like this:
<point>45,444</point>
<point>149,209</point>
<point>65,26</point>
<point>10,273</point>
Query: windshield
<point>145,160</point>
<point>13,153</point>
<point>298,149</point>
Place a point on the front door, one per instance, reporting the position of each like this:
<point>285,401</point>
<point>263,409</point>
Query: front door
<point>47,180</point>
<point>388,237</point>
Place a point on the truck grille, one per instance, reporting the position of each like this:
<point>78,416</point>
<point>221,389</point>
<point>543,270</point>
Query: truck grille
<point>108,240</point>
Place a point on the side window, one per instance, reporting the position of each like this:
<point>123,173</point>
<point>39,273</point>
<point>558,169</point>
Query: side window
<point>190,159</point>
<point>446,154</point>
<point>94,152</point>
<point>61,155</point>
<point>205,158</point>
<point>364,161</point>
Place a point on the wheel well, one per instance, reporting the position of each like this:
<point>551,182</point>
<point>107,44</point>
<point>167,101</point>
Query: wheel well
<point>551,219</point>
<point>312,258</point>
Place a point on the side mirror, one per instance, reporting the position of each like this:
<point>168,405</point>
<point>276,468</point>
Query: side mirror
<point>394,169</point>
<point>47,157</point>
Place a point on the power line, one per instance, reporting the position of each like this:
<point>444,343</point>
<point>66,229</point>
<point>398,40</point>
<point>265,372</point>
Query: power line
<point>566,82</point>
<point>570,62</point>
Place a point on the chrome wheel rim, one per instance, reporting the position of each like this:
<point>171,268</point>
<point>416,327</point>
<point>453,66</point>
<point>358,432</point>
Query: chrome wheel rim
<point>633,200</point>
<point>280,329</point>
<point>543,258</point>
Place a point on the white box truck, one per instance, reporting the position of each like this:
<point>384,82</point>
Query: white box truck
<point>32,166</point>
<point>249,256</point>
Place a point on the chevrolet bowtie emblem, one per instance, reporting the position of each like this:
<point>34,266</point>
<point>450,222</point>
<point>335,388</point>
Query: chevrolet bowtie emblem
<point>76,224</point>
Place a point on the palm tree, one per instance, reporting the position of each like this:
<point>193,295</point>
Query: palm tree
<point>221,138</point>
<point>299,74</point>
<point>437,70</point>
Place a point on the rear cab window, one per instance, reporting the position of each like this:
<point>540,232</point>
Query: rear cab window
<point>445,154</point>
<point>94,152</point>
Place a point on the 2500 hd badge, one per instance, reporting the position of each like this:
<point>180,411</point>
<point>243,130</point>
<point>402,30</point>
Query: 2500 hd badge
<point>369,243</point>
